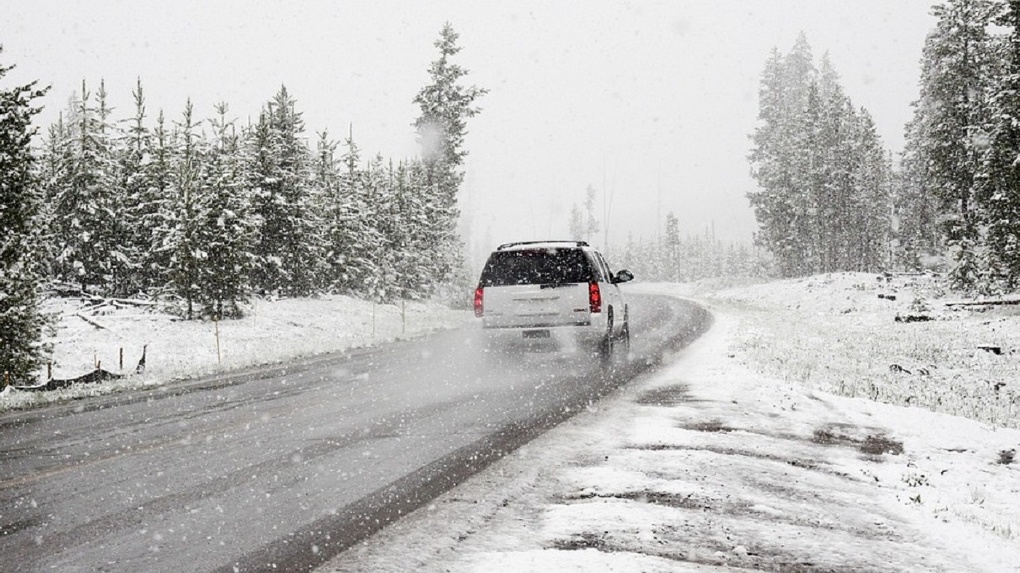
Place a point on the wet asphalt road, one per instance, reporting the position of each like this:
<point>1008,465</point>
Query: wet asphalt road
<point>282,468</point>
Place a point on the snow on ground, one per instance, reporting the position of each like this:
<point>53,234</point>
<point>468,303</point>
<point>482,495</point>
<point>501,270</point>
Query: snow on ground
<point>736,457</point>
<point>272,331</point>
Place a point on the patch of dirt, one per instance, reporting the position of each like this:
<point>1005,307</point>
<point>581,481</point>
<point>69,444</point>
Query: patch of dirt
<point>704,552</point>
<point>872,444</point>
<point>743,508</point>
<point>578,541</point>
<point>674,395</point>
<point>709,426</point>
<point>879,444</point>
<point>796,462</point>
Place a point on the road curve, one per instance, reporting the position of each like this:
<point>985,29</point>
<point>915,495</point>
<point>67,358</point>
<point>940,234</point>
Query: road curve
<point>285,467</point>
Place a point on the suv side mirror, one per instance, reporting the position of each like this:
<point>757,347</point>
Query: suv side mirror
<point>622,277</point>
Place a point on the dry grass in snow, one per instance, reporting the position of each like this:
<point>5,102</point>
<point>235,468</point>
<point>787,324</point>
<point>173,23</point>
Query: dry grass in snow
<point>839,333</point>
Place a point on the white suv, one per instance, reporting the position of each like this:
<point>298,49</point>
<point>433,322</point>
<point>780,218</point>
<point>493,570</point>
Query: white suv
<point>535,290</point>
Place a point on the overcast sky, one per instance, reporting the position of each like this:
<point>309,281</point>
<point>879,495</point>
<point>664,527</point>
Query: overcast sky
<point>649,102</point>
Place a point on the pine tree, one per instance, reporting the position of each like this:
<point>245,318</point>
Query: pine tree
<point>21,320</point>
<point>999,191</point>
<point>823,201</point>
<point>872,202</point>
<point>227,232</point>
<point>156,216</point>
<point>591,224</point>
<point>55,163</point>
<point>671,262</point>
<point>915,209</point>
<point>576,223</point>
<point>778,164</point>
<point>412,259</point>
<point>350,235</point>
<point>181,239</point>
<point>378,285</point>
<point>948,118</point>
<point>445,106</point>
<point>139,205</point>
<point>120,262</point>
<point>289,251</point>
<point>85,201</point>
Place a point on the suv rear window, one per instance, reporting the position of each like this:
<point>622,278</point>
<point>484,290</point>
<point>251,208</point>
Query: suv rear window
<point>536,266</point>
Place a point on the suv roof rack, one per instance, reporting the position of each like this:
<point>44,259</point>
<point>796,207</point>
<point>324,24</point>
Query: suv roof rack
<point>520,243</point>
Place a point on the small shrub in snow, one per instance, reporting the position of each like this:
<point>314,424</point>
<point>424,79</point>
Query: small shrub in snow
<point>1006,457</point>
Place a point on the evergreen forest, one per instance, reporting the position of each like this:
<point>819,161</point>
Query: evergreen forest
<point>203,212</point>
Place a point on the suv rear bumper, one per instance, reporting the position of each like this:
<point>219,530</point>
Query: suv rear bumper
<point>586,333</point>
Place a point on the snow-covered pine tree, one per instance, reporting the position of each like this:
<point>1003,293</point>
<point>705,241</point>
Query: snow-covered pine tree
<point>948,118</point>
<point>872,201</point>
<point>55,162</point>
<point>378,286</point>
<point>591,224</point>
<point>121,264</point>
<point>289,251</point>
<point>411,258</point>
<point>157,218</point>
<point>228,231</point>
<point>778,203</point>
<point>671,257</point>
<point>915,207</point>
<point>576,223</point>
<point>21,321</point>
<point>326,180</point>
<point>85,202</point>
<point>350,233</point>
<point>181,239</point>
<point>823,198</point>
<point>809,171</point>
<point>138,207</point>
<point>832,175</point>
<point>999,189</point>
<point>445,106</point>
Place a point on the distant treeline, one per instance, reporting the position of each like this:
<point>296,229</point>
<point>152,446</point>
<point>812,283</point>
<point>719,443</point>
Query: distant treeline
<point>676,258</point>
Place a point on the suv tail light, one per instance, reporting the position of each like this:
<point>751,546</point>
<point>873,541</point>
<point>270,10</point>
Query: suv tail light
<point>478,302</point>
<point>594,298</point>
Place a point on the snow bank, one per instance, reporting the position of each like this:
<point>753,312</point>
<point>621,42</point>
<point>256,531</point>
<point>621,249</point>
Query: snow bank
<point>273,331</point>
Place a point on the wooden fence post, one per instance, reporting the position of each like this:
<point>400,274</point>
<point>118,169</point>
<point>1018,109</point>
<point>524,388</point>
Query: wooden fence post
<point>219,359</point>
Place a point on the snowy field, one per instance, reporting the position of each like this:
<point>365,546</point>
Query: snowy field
<point>273,331</point>
<point>740,455</point>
